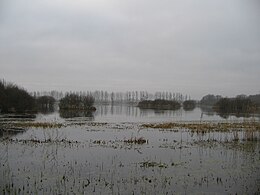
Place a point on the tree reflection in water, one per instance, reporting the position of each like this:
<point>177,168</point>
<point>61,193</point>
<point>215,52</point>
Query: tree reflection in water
<point>76,113</point>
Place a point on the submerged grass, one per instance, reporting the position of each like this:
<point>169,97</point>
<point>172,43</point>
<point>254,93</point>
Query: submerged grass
<point>38,141</point>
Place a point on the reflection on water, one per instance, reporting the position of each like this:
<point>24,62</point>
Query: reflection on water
<point>46,110</point>
<point>208,110</point>
<point>76,113</point>
<point>101,162</point>
<point>94,158</point>
<point>130,113</point>
<point>8,133</point>
<point>226,115</point>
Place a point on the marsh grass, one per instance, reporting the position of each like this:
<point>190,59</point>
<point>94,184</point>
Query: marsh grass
<point>43,125</point>
<point>206,127</point>
<point>91,166</point>
<point>38,141</point>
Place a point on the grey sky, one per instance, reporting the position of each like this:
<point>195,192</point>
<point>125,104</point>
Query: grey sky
<point>193,47</point>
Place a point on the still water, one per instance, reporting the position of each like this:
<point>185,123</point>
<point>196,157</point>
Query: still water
<point>96,153</point>
<point>130,113</point>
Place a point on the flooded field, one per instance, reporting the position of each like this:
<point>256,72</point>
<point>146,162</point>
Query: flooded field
<point>87,155</point>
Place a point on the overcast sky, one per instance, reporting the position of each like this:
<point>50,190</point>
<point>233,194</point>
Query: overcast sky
<point>188,46</point>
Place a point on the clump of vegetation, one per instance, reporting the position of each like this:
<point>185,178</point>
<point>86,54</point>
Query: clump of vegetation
<point>45,102</point>
<point>77,102</point>
<point>159,104</point>
<point>147,164</point>
<point>14,99</point>
<point>189,104</point>
<point>210,100</point>
<point>235,105</point>
<point>135,140</point>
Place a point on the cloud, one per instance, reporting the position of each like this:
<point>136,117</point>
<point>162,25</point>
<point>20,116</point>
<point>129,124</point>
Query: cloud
<point>188,46</point>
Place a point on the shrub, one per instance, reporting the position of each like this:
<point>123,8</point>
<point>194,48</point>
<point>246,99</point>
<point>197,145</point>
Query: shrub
<point>159,104</point>
<point>74,101</point>
<point>189,104</point>
<point>235,105</point>
<point>15,99</point>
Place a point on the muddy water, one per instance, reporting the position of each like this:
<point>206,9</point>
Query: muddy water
<point>98,158</point>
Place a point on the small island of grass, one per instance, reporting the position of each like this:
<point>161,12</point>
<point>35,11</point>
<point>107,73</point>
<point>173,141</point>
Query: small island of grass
<point>159,104</point>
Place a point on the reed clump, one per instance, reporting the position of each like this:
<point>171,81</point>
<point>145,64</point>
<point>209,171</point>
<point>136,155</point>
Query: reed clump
<point>135,140</point>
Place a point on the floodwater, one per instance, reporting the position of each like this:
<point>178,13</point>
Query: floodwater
<point>128,113</point>
<point>99,153</point>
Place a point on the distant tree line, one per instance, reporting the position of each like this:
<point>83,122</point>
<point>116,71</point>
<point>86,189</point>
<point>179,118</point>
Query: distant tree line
<point>129,96</point>
<point>17,99</point>
<point>57,95</point>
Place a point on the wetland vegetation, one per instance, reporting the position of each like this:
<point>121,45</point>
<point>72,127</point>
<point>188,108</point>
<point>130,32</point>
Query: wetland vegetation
<point>135,158</point>
<point>122,149</point>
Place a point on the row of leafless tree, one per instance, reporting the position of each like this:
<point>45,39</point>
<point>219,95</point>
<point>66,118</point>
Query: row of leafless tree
<point>129,96</point>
